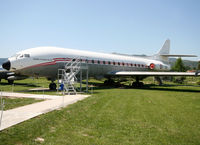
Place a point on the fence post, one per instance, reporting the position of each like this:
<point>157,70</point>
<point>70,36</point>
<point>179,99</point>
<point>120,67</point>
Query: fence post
<point>2,106</point>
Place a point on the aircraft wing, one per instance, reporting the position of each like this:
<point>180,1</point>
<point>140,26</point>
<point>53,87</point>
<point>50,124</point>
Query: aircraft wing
<point>149,73</point>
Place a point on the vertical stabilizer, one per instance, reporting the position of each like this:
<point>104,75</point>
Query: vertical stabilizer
<point>165,50</point>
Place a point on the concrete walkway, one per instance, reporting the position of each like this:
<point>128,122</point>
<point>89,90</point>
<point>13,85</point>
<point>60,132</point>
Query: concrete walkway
<point>20,114</point>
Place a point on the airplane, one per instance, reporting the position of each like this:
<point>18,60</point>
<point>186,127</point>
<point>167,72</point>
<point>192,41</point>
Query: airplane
<point>45,62</point>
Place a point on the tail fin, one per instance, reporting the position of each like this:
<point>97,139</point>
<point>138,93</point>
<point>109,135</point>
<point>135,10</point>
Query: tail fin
<point>163,53</point>
<point>165,50</point>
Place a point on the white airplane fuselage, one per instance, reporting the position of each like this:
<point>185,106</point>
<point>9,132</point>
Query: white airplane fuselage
<point>45,62</point>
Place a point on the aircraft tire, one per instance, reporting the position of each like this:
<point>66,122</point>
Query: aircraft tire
<point>137,85</point>
<point>109,82</point>
<point>11,81</point>
<point>52,86</point>
<point>106,82</point>
<point>134,85</point>
<point>141,84</point>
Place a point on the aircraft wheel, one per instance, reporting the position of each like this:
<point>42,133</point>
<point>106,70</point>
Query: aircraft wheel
<point>11,81</point>
<point>106,82</point>
<point>52,86</point>
<point>137,85</point>
<point>141,84</point>
<point>134,85</point>
<point>109,82</point>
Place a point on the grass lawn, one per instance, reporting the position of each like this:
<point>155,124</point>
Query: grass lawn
<point>11,103</point>
<point>154,115</point>
<point>25,86</point>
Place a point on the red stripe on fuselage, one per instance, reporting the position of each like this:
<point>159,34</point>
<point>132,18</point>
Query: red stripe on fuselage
<point>43,64</point>
<point>50,63</point>
<point>62,59</point>
<point>55,60</point>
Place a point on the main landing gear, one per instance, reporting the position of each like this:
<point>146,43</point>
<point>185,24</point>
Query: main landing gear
<point>109,82</point>
<point>158,79</point>
<point>10,82</point>
<point>52,86</point>
<point>137,83</point>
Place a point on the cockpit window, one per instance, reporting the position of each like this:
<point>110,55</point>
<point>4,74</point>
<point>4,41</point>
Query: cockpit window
<point>26,55</point>
<point>19,56</point>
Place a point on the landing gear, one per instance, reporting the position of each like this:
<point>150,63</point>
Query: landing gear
<point>52,86</point>
<point>11,81</point>
<point>109,82</point>
<point>137,84</point>
<point>158,79</point>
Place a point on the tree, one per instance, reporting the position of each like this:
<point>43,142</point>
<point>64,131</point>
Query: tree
<point>179,66</point>
<point>198,68</point>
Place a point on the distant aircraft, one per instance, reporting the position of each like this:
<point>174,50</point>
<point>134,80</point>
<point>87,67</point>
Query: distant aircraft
<point>45,62</point>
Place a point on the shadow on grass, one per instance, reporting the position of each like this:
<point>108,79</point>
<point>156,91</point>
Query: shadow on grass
<point>170,88</point>
<point>19,84</point>
<point>100,86</point>
<point>173,90</point>
<point>165,87</point>
<point>37,91</point>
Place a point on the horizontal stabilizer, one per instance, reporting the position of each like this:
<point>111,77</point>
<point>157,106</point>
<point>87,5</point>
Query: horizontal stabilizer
<point>175,55</point>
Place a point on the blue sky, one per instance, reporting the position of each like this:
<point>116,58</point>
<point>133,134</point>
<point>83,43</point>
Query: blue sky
<point>123,26</point>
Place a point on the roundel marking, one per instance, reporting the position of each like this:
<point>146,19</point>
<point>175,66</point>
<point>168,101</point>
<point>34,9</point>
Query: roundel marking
<point>152,66</point>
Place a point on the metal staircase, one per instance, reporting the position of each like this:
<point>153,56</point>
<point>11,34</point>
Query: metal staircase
<point>67,76</point>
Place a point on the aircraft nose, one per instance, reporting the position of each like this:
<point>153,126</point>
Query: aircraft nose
<point>6,65</point>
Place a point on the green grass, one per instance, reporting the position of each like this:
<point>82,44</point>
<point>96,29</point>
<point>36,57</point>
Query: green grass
<point>24,86</point>
<point>27,84</point>
<point>153,115</point>
<point>10,103</point>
